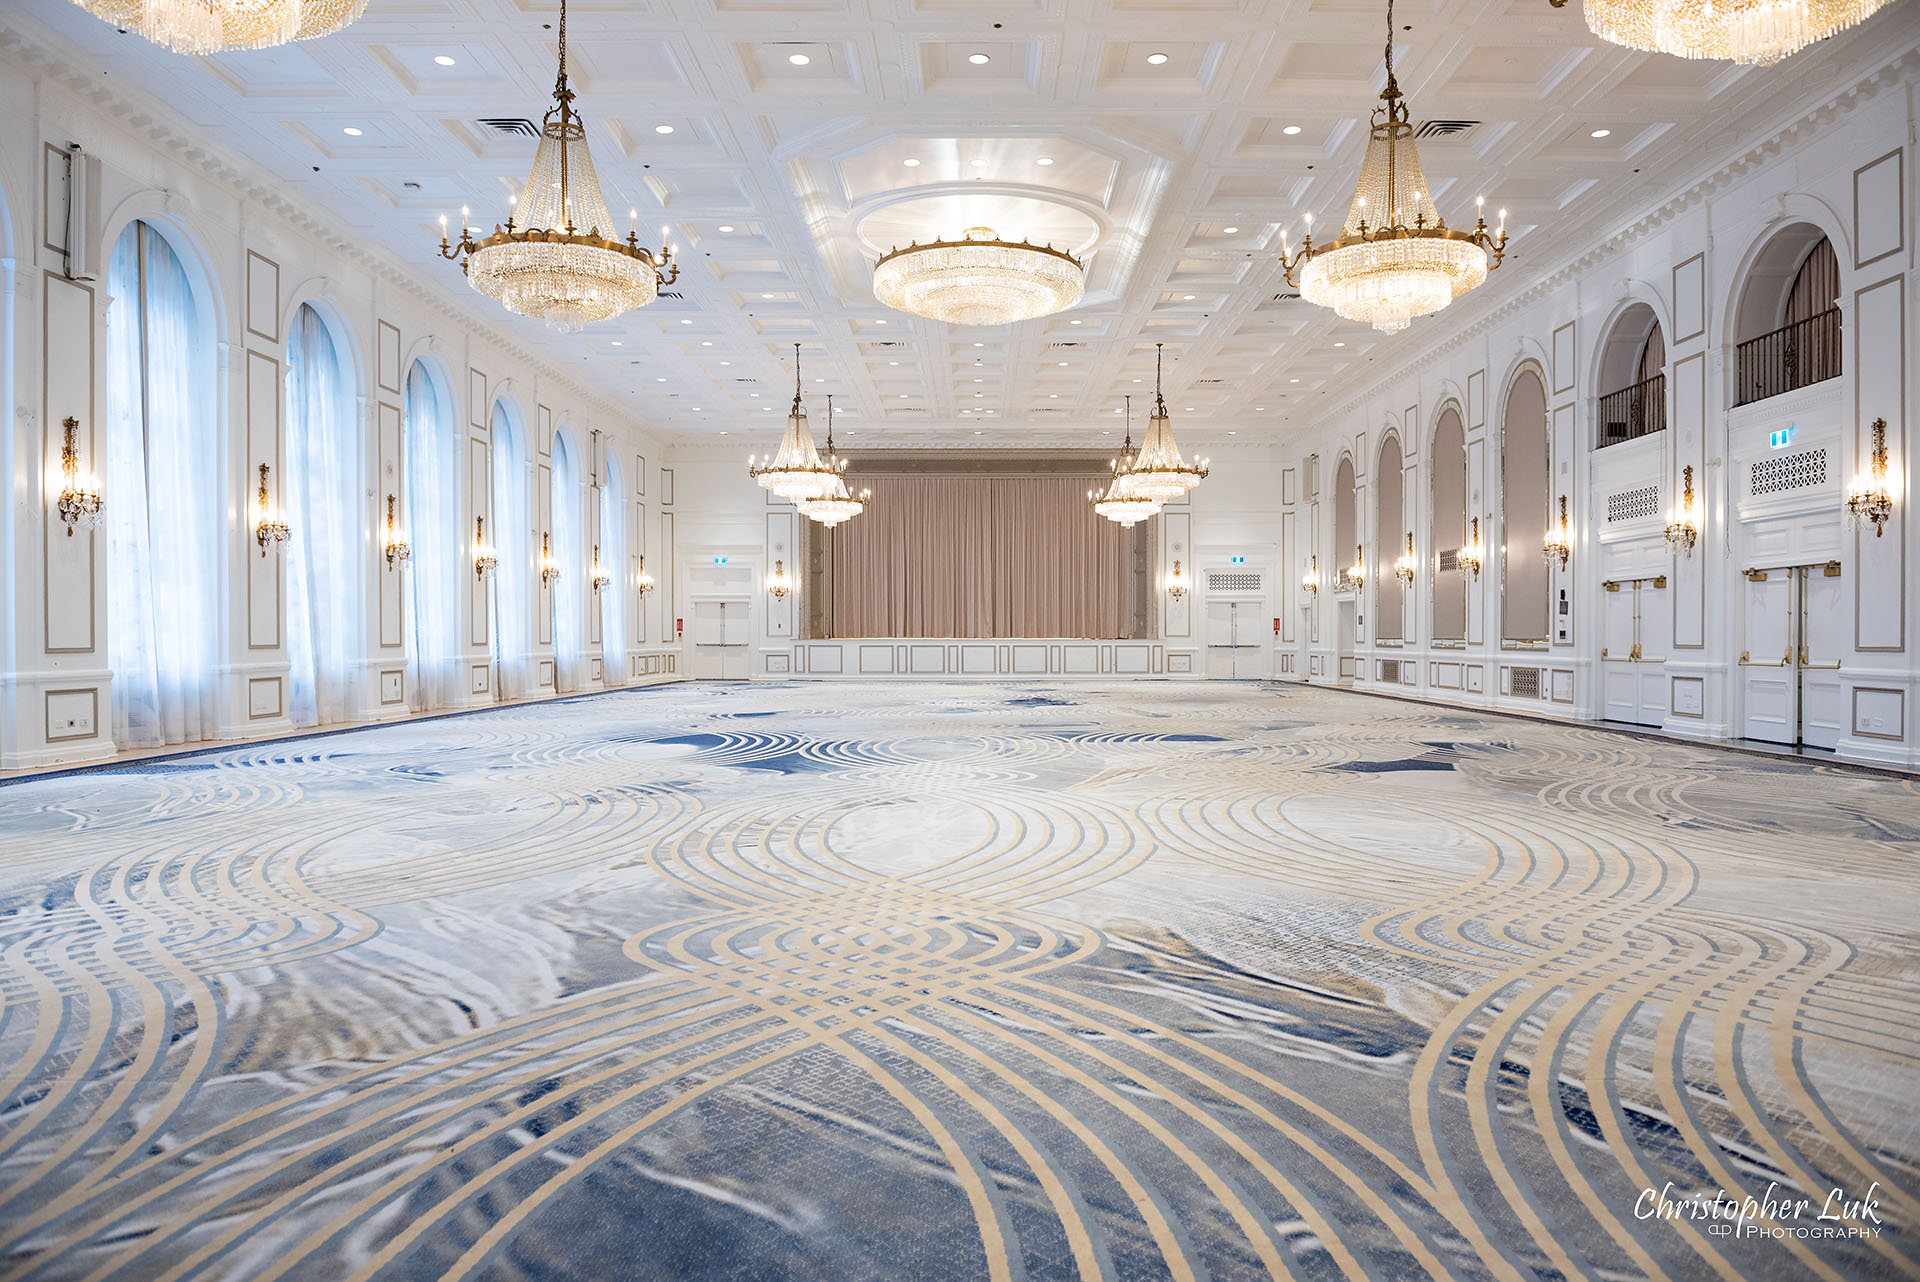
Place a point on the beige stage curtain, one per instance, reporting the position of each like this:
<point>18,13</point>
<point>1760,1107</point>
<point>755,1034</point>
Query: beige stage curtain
<point>981,556</point>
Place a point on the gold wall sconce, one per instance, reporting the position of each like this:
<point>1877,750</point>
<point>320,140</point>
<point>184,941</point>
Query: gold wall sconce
<point>79,505</point>
<point>599,576</point>
<point>1177,583</point>
<point>1310,581</point>
<point>779,583</point>
<point>642,581</point>
<point>1469,557</point>
<point>1683,531</point>
<point>1559,544</point>
<point>549,568</point>
<point>1403,569</point>
<point>270,521</point>
<point>394,544</point>
<point>1871,500</point>
<point>484,557</point>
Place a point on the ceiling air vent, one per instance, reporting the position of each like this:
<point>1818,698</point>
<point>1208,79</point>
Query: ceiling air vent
<point>1286,298</point>
<point>671,294</point>
<point>889,344</point>
<point>1451,129</point>
<point>1053,346</point>
<point>511,126</point>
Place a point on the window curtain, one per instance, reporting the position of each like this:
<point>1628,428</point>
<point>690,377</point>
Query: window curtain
<point>318,486</point>
<point>163,491</point>
<point>507,531</point>
<point>983,556</point>
<point>568,554</point>
<point>433,576</point>
<point>613,559</point>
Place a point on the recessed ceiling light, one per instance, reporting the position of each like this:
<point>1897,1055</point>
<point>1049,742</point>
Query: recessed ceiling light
<point>661,379</point>
<point>978,395</point>
<point>880,322</point>
<point>1135,380</point>
<point>351,132</point>
<point>766,295</point>
<point>616,342</point>
<point>1258,408</point>
<point>1230,230</point>
<point>1290,130</point>
<point>443,60</point>
<point>663,129</point>
<point>1231,432</point>
<point>893,362</point>
<point>1187,410</point>
<point>685,321</point>
<point>725,227</point>
<point>1053,396</point>
<point>1044,160</point>
<point>1073,322</point>
<point>903,396</point>
<point>978,432</point>
<point>1186,298</point>
<point>726,362</point>
<point>706,342</point>
<point>1156,58</point>
<point>978,59</point>
<point>798,59</point>
<point>753,395</point>
<point>723,431</point>
<point>696,410</point>
<point>979,380</point>
<point>1339,344</point>
<point>911,163</point>
<point>978,161</point>
<point>1062,362</point>
<point>1600,133</point>
<point>1293,380</point>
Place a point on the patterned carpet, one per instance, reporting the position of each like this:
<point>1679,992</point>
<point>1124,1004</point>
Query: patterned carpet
<point>939,981</point>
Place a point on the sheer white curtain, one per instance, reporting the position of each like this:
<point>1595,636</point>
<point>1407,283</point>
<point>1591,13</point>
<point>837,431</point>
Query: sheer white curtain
<point>433,576</point>
<point>613,558</point>
<point>163,492</point>
<point>512,610</point>
<point>568,554</point>
<point>322,621</point>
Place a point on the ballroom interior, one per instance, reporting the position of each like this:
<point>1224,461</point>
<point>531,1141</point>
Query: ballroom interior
<point>924,639</point>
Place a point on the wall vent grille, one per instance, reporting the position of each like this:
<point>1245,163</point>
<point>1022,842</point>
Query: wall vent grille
<point>1390,671</point>
<point>1524,683</point>
<point>1450,559</point>
<point>1788,472</point>
<point>1631,505</point>
<point>1233,580</point>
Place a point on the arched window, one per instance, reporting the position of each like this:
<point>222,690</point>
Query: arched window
<point>1633,370</point>
<point>1524,500</point>
<point>508,531</point>
<point>318,482</point>
<point>1450,530</point>
<point>1389,593</point>
<point>1787,325</point>
<point>613,559</point>
<point>1346,524</point>
<point>432,511</point>
<point>569,553</point>
<point>163,517</point>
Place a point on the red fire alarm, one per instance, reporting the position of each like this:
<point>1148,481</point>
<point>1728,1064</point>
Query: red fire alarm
<point>1276,627</point>
<point>679,628</point>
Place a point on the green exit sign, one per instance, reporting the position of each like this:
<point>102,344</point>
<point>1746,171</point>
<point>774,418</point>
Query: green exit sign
<point>1780,438</point>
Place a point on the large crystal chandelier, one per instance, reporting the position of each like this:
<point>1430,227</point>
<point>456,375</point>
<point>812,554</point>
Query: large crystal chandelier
<point>1118,503</point>
<point>978,279</point>
<point>795,471</point>
<point>215,26</point>
<point>1159,472</point>
<point>1759,32</point>
<point>559,260</point>
<point>1395,258</point>
<point>838,503</point>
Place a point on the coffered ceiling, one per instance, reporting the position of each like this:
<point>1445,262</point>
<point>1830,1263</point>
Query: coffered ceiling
<point>784,143</point>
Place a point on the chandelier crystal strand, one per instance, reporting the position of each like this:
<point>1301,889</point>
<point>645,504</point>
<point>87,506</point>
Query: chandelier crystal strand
<point>1395,257</point>
<point>1159,472</point>
<point>794,471</point>
<point>1755,32</point>
<point>978,279</point>
<point>1118,503</point>
<point>215,26</point>
<point>558,257</point>
<point>838,503</point>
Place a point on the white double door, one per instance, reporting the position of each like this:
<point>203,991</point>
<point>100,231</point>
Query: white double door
<point>720,640</point>
<point>1637,621</point>
<point>1236,644</point>
<point>1790,665</point>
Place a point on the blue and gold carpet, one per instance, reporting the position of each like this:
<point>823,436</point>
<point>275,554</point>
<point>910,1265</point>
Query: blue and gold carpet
<point>961,982</point>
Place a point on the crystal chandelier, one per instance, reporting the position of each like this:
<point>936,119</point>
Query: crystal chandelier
<point>559,262</point>
<point>838,503</point>
<point>80,503</point>
<point>1759,32</point>
<point>978,279</point>
<point>1159,472</point>
<point>1395,258</point>
<point>215,26</point>
<point>1118,502</point>
<point>795,471</point>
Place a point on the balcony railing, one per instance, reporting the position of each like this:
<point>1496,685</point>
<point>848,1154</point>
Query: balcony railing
<point>1634,412</point>
<point>1791,357</point>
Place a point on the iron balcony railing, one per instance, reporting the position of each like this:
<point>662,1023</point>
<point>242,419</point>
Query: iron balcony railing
<point>1634,412</point>
<point>1793,356</point>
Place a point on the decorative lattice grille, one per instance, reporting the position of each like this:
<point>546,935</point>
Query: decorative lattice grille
<point>1390,671</point>
<point>1233,580</point>
<point>1789,472</point>
<point>1631,505</point>
<point>1524,683</point>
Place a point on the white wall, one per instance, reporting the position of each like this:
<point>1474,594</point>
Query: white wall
<point>1847,169</point>
<point>259,259</point>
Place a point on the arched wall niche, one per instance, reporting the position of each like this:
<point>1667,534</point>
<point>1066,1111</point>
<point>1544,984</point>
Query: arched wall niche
<point>1525,482</point>
<point>1391,541</point>
<point>1447,464</point>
